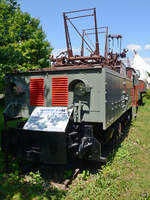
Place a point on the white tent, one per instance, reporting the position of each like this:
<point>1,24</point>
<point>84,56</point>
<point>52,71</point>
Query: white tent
<point>142,66</point>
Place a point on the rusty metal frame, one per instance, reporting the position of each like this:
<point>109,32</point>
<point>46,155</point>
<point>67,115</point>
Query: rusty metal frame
<point>86,33</point>
<point>68,19</point>
<point>109,59</point>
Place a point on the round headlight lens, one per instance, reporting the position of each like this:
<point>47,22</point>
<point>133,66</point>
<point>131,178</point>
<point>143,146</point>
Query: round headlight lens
<point>17,90</point>
<point>80,89</point>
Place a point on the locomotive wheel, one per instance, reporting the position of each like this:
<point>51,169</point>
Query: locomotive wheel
<point>127,119</point>
<point>120,129</point>
<point>118,132</point>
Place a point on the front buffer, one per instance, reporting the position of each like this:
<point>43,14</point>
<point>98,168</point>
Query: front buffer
<point>51,137</point>
<point>42,138</point>
<point>42,146</point>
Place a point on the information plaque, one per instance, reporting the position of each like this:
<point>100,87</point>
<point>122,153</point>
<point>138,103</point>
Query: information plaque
<point>53,119</point>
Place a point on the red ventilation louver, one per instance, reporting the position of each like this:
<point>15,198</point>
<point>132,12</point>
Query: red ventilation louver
<point>60,91</point>
<point>37,92</point>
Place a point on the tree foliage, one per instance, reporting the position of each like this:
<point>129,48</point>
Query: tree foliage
<point>22,41</point>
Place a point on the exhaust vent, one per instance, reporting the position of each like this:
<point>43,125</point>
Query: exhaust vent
<point>37,92</point>
<point>60,91</point>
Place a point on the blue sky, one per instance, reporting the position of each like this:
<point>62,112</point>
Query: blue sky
<point>131,18</point>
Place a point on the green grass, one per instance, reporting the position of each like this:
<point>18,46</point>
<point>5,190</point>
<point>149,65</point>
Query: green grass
<point>126,176</point>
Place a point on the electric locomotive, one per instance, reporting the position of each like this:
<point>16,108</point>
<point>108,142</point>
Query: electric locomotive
<point>73,108</point>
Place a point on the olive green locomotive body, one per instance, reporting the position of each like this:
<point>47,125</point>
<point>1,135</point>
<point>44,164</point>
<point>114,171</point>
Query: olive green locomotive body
<point>97,96</point>
<point>108,94</point>
<point>74,108</point>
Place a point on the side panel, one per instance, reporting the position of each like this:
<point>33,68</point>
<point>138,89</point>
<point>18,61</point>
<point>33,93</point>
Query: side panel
<point>108,98</point>
<point>118,96</point>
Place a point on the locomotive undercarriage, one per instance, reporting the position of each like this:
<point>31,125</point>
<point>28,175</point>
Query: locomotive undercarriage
<point>81,140</point>
<point>88,140</point>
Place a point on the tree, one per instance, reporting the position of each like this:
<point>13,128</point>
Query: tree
<point>22,41</point>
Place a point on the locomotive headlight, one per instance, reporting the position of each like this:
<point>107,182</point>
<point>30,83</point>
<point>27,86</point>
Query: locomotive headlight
<point>80,89</point>
<point>16,88</point>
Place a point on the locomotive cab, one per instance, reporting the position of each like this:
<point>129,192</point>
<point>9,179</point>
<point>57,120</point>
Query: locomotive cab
<point>71,109</point>
<point>70,112</point>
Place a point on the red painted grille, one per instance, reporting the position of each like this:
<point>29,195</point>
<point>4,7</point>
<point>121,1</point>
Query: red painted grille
<point>37,91</point>
<point>60,91</point>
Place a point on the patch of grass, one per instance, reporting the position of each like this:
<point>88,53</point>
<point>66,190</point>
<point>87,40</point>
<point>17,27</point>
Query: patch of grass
<point>84,175</point>
<point>18,189</point>
<point>30,186</point>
